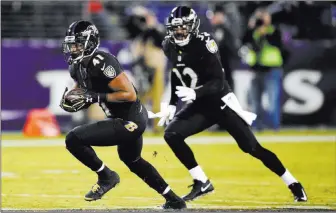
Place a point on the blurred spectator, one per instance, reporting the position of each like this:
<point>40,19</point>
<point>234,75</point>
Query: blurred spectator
<point>264,53</point>
<point>100,18</point>
<point>234,18</point>
<point>14,16</point>
<point>227,42</point>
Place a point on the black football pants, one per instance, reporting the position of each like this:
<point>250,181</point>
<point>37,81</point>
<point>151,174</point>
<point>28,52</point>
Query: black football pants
<point>197,117</point>
<point>126,134</point>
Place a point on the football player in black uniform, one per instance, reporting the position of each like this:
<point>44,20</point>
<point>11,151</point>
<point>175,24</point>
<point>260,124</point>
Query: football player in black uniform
<point>104,81</point>
<point>197,78</point>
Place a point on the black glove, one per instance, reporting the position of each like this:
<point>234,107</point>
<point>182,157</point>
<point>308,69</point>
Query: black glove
<point>86,99</point>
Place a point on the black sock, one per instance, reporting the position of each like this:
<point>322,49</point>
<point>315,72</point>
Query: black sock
<point>148,174</point>
<point>170,195</point>
<point>104,174</point>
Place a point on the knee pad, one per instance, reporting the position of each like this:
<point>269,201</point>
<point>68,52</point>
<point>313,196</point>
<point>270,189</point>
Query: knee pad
<point>172,138</point>
<point>71,140</point>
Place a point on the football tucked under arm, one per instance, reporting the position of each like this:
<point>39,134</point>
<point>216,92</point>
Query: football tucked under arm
<point>76,99</point>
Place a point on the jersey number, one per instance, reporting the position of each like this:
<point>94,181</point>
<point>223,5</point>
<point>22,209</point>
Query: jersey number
<point>201,36</point>
<point>131,126</point>
<point>96,60</point>
<point>187,71</point>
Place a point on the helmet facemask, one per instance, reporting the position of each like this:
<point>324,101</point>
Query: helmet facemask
<point>76,48</point>
<point>182,29</point>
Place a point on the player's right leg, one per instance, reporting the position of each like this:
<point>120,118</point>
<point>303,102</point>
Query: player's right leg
<point>130,154</point>
<point>189,121</point>
<point>79,141</point>
<point>248,143</point>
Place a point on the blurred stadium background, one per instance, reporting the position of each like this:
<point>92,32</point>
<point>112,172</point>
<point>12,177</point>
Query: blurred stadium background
<point>37,171</point>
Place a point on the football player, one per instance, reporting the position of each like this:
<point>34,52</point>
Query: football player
<point>104,81</point>
<point>197,77</point>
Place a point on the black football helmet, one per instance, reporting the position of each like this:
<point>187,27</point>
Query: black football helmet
<point>182,25</point>
<point>81,41</point>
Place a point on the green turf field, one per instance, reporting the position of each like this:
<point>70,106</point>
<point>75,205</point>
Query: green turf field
<point>50,178</point>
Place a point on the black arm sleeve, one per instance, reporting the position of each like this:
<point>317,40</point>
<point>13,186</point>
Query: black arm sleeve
<point>174,82</point>
<point>215,75</point>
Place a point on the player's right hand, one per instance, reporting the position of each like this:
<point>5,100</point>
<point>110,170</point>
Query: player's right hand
<point>66,106</point>
<point>166,114</point>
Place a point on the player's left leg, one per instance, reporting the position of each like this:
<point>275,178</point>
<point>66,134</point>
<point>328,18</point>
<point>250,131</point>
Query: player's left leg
<point>247,142</point>
<point>79,142</point>
<point>190,120</point>
<point>130,154</point>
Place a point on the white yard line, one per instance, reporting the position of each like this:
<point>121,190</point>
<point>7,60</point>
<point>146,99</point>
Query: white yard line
<point>8,175</point>
<point>191,140</point>
<point>190,206</point>
<point>282,204</point>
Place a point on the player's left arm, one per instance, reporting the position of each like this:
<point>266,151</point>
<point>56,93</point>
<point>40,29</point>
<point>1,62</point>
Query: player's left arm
<point>107,68</point>
<point>111,73</point>
<point>123,90</point>
<point>214,72</point>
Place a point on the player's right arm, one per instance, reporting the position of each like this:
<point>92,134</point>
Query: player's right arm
<point>63,104</point>
<point>174,81</point>
<point>167,111</point>
<point>214,69</point>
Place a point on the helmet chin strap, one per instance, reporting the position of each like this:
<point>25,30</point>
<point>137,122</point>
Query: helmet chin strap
<point>183,42</point>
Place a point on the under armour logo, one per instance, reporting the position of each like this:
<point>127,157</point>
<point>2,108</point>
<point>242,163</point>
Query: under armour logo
<point>88,99</point>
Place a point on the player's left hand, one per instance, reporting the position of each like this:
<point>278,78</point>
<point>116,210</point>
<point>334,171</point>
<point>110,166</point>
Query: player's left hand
<point>91,97</point>
<point>86,99</point>
<point>185,93</point>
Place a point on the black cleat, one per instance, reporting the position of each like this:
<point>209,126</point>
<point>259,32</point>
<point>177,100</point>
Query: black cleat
<point>178,203</point>
<point>102,187</point>
<point>298,192</point>
<point>199,189</point>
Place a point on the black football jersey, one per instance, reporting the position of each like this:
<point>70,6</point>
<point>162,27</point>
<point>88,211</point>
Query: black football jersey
<point>102,68</point>
<point>196,66</point>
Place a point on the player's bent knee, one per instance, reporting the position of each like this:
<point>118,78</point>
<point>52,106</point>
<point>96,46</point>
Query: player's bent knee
<point>71,140</point>
<point>172,137</point>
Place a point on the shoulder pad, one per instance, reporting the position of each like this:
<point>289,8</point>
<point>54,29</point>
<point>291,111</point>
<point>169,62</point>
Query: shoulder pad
<point>206,40</point>
<point>166,45</point>
<point>105,63</point>
<point>166,42</point>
